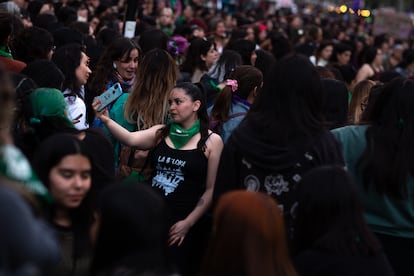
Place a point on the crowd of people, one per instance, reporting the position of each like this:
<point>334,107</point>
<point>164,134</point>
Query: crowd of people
<point>240,140</point>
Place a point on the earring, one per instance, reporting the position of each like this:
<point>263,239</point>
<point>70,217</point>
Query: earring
<point>114,65</point>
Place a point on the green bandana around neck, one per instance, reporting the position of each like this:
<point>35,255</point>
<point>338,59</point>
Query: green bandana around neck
<point>5,53</point>
<point>180,136</point>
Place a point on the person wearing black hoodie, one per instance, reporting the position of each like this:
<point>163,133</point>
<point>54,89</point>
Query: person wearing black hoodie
<point>282,137</point>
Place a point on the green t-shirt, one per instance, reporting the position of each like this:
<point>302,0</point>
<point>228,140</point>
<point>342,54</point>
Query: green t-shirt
<point>384,215</point>
<point>116,113</point>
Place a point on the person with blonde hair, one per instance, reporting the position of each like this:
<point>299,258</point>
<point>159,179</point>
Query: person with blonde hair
<point>359,100</point>
<point>145,106</point>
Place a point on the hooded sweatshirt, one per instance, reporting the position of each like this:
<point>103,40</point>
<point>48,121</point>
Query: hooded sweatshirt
<point>255,158</point>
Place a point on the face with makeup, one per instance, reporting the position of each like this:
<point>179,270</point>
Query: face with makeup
<point>70,180</point>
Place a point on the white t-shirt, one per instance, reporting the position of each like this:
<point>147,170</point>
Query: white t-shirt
<point>76,108</point>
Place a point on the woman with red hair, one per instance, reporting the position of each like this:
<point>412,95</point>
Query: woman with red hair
<point>248,237</point>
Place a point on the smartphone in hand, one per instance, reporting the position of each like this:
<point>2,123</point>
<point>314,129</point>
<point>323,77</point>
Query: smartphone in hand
<point>109,95</point>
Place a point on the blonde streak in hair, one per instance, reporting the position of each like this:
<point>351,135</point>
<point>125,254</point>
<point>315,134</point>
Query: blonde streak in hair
<point>130,110</point>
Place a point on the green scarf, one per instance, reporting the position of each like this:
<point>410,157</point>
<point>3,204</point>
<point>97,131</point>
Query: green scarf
<point>180,136</point>
<point>48,102</point>
<point>5,53</point>
<point>15,167</point>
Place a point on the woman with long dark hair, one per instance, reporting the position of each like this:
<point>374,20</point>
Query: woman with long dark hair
<point>74,64</point>
<point>64,165</point>
<point>201,56</point>
<point>184,157</point>
<point>214,80</point>
<point>331,236</point>
<point>281,138</point>
<point>379,154</point>
<point>235,99</point>
<point>132,235</point>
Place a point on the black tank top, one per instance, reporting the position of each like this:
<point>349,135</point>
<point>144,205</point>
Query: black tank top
<point>180,176</point>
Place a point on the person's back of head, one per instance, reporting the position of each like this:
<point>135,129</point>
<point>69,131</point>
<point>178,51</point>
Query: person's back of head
<point>407,59</point>
<point>348,73</point>
<point>298,88</point>
<point>329,214</point>
<point>6,27</point>
<point>244,84</point>
<point>359,100</point>
<point>68,58</point>
<point>49,114</point>
<point>67,15</point>
<point>156,76</point>
<point>47,21</point>
<point>369,54</point>
<point>133,230</point>
<point>245,48</point>
<point>45,73</point>
<point>65,35</point>
<point>391,119</point>
<point>264,61</point>
<point>153,39</point>
<point>33,43</point>
<point>335,107</point>
<point>281,46</point>
<point>248,238</point>
<point>23,86</point>
<point>107,36</point>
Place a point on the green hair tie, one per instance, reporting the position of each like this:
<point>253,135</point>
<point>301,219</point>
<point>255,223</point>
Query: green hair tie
<point>215,86</point>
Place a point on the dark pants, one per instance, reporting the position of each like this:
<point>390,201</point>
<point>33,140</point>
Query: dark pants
<point>189,256</point>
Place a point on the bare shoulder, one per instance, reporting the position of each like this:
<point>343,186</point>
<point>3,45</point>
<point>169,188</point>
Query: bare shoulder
<point>214,142</point>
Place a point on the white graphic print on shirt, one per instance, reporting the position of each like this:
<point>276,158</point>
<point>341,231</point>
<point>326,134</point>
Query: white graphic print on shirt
<point>275,184</point>
<point>169,174</point>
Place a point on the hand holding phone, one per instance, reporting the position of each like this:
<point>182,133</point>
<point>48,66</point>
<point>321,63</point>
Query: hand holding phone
<point>109,96</point>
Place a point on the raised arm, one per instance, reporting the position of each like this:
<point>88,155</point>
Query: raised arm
<point>179,230</point>
<point>144,139</point>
